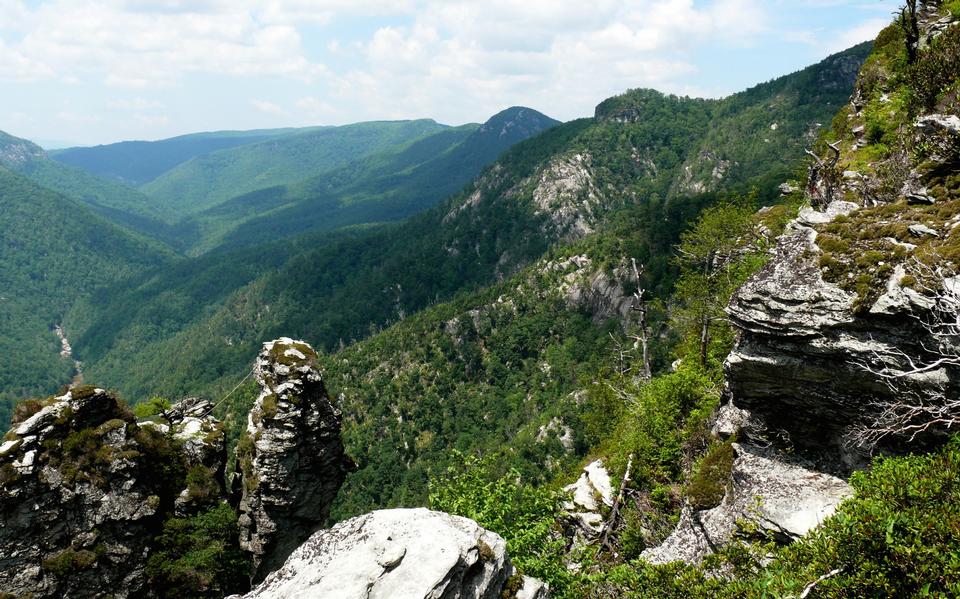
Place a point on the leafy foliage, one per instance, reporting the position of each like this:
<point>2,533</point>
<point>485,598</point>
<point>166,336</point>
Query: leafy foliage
<point>47,269</point>
<point>526,516</point>
<point>199,556</point>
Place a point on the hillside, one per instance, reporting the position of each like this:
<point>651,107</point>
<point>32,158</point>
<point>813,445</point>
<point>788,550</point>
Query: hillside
<point>138,162</point>
<point>208,180</point>
<point>113,200</point>
<point>686,349</point>
<point>47,269</point>
<point>384,187</point>
<point>557,187</point>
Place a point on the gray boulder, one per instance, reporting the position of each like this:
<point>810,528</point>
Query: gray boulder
<point>408,553</point>
<point>767,493</point>
<point>798,362</point>
<point>291,456</point>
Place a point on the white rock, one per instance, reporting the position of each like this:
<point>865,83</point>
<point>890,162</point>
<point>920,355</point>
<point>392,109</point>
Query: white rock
<point>594,481</point>
<point>398,553</point>
<point>8,446</point>
<point>784,498</point>
<point>922,230</point>
<point>809,216</point>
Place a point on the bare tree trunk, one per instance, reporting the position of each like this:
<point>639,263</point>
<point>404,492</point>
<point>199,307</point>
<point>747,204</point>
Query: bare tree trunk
<point>640,306</point>
<point>615,510</point>
<point>911,29</point>
<point>704,340</point>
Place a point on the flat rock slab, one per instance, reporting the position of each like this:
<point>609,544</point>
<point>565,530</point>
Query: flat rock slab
<point>398,553</point>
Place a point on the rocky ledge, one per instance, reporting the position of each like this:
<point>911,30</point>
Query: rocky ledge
<point>83,488</point>
<point>801,359</point>
<point>410,553</point>
<point>768,493</point>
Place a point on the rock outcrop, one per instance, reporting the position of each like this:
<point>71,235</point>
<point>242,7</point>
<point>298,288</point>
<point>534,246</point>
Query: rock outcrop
<point>79,499</point>
<point>767,493</point>
<point>799,359</point>
<point>590,495</point>
<point>291,456</point>
<point>201,440</point>
<point>409,553</point>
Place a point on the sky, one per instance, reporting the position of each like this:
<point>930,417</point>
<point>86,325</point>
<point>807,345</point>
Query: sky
<point>85,72</point>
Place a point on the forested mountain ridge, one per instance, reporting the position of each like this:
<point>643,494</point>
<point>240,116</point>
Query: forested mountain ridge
<point>210,179</point>
<point>559,186</point>
<point>48,268</point>
<point>113,200</point>
<point>386,186</point>
<point>661,352</point>
<point>139,162</point>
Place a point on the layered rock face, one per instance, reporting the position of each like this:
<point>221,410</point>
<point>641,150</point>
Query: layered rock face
<point>291,455</point>
<point>803,357</point>
<point>77,500</point>
<point>409,553</point>
<point>767,493</point>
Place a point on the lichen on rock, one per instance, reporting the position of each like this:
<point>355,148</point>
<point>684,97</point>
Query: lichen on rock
<point>291,456</point>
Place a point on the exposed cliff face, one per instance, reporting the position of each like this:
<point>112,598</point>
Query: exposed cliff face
<point>849,288</point>
<point>410,553</point>
<point>81,492</point>
<point>15,152</point>
<point>291,455</point>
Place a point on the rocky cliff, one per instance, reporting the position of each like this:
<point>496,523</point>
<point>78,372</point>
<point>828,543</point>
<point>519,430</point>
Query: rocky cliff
<point>92,501</point>
<point>291,455</point>
<point>847,339</point>
<point>83,491</point>
<point>838,327</point>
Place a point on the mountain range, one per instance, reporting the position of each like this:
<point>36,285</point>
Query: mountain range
<point>682,347</point>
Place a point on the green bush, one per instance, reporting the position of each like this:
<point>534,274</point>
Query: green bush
<point>152,407</point>
<point>898,537</point>
<point>936,70</point>
<point>708,486</point>
<point>199,557</point>
<point>525,516</point>
<point>69,561</point>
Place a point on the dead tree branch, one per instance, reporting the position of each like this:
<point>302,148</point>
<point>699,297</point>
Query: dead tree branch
<point>920,398</point>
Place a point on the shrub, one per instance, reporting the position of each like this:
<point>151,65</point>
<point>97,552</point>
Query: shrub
<point>199,556</point>
<point>152,407</point>
<point>69,561</point>
<point>525,516</point>
<point>936,69</point>
<point>708,486</point>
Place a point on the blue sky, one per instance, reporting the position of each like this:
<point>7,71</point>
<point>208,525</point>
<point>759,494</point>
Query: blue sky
<point>97,71</point>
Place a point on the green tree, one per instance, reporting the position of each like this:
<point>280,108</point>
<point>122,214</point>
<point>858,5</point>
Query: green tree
<point>715,257</point>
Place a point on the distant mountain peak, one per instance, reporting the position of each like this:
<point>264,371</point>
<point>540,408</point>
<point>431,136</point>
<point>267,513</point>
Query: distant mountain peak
<point>517,122</point>
<point>15,151</point>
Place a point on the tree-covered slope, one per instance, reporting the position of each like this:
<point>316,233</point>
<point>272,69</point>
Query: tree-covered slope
<point>210,179</point>
<point>111,199</point>
<point>555,188</point>
<point>53,251</point>
<point>139,162</point>
<point>379,188</point>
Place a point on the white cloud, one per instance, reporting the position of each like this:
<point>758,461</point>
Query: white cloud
<point>867,30</point>
<point>454,60</point>
<point>268,107</point>
<point>463,57</point>
<point>137,104</point>
<point>143,43</point>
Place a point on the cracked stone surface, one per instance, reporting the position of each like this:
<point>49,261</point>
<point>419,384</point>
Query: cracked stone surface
<point>397,553</point>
